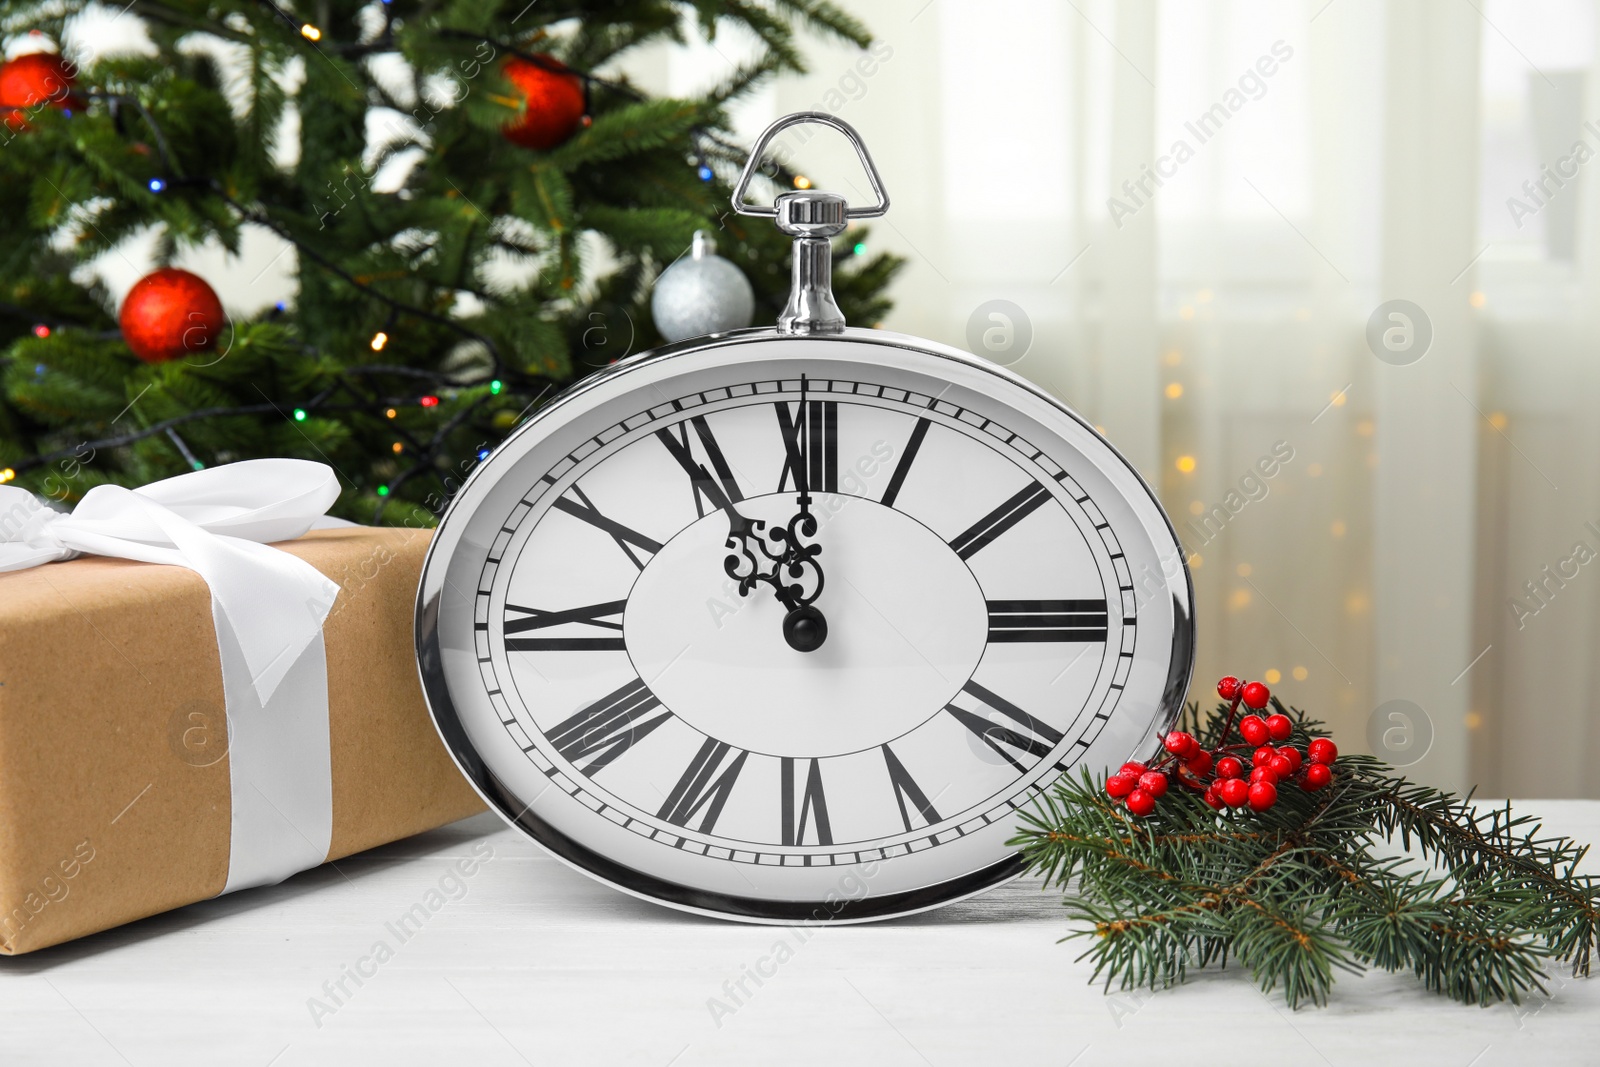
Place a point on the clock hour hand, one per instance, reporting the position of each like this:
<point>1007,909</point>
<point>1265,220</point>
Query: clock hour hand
<point>787,565</point>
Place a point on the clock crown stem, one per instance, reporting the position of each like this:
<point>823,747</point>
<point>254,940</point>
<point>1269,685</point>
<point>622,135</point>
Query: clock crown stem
<point>813,218</point>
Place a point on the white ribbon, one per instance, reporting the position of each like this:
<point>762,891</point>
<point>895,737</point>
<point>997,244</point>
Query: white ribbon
<point>268,608</point>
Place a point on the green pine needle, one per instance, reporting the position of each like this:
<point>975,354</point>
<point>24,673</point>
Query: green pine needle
<point>1482,901</point>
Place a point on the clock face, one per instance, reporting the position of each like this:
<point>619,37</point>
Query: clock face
<point>953,593</point>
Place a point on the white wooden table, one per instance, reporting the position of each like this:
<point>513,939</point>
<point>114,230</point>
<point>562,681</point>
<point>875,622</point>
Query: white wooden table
<point>535,964</point>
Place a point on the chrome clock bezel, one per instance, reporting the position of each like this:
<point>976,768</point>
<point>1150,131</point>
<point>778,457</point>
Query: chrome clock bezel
<point>515,812</point>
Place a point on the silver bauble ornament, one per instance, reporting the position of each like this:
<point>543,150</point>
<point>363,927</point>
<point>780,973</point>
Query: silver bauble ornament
<point>701,293</point>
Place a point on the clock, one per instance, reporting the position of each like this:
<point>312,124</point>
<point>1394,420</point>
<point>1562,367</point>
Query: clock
<point>787,625</point>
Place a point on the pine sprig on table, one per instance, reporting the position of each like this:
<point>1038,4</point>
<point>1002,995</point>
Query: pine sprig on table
<point>1373,871</point>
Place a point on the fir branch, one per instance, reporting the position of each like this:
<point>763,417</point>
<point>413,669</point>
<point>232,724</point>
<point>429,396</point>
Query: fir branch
<point>1479,906</point>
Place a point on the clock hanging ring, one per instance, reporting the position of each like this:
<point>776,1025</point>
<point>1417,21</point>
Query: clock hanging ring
<point>786,624</point>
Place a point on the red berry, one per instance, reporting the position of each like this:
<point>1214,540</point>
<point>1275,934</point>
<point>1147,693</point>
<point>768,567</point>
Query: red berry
<point>1281,767</point>
<point>1228,688</point>
<point>1263,756</point>
<point>1213,799</point>
<point>1323,751</point>
<point>1255,696</point>
<point>1154,783</point>
<point>1200,762</point>
<point>1263,774</point>
<point>1317,777</point>
<point>1234,792</point>
<point>1263,795</point>
<point>1253,729</point>
<point>1292,754</point>
<point>1229,767</point>
<point>1134,768</point>
<point>1279,727</point>
<point>1141,803</point>
<point>1179,743</point>
<point>1120,785</point>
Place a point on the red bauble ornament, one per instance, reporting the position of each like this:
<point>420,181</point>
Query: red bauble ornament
<point>1141,803</point>
<point>170,313</point>
<point>552,98</point>
<point>1234,792</point>
<point>1263,795</point>
<point>34,80</point>
<point>1323,751</point>
<point>1317,777</point>
<point>1228,688</point>
<point>1279,727</point>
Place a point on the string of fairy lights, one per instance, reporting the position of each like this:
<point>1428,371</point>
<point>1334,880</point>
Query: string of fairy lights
<point>345,391</point>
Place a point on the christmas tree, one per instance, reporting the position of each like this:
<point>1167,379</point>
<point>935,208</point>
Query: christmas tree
<point>539,194</point>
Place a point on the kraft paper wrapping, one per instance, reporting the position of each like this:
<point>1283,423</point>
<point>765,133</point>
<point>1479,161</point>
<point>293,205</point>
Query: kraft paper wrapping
<point>114,787</point>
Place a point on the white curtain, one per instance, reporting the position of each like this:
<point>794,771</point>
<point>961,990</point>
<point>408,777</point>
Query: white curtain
<point>1315,160</point>
<point>1192,209</point>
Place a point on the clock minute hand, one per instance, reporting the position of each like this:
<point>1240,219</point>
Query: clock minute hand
<point>788,566</point>
<point>802,475</point>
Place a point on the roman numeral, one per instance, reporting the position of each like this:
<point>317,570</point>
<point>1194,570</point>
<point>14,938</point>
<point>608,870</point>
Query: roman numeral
<point>813,806</point>
<point>901,469</point>
<point>1034,737</point>
<point>702,788</point>
<point>608,727</point>
<point>1015,621</point>
<point>721,491</point>
<point>538,619</point>
<point>1001,519</point>
<point>906,788</point>
<point>583,509</point>
<point>811,446</point>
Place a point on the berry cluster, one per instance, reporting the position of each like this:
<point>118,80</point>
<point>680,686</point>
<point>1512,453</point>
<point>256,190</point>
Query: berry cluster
<point>1220,776</point>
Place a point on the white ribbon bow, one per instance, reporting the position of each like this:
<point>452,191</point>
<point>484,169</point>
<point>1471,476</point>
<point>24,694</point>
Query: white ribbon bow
<point>215,522</point>
<point>268,608</point>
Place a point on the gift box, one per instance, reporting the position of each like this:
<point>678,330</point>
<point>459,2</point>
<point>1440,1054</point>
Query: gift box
<point>157,747</point>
